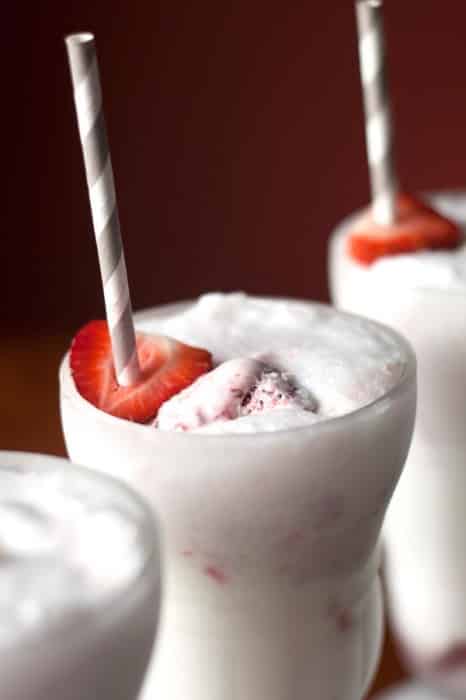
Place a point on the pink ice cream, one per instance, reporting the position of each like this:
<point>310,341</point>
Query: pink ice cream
<point>236,388</point>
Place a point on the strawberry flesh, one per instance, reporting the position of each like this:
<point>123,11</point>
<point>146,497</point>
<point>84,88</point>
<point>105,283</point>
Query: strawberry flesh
<point>167,367</point>
<point>417,227</point>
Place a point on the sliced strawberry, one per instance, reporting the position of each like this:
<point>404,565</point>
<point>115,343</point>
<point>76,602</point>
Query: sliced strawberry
<point>167,367</point>
<point>418,227</point>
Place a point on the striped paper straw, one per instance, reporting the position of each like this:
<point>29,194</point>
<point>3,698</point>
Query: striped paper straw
<point>379,136</point>
<point>89,110</point>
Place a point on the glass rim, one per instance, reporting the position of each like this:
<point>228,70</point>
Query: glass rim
<point>407,377</point>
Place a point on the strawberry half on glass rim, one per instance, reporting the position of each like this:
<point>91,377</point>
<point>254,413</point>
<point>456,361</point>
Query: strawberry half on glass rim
<point>417,227</point>
<point>167,367</point>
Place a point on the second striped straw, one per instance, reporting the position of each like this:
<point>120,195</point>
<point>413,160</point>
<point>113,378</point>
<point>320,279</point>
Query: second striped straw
<point>88,102</point>
<point>378,117</point>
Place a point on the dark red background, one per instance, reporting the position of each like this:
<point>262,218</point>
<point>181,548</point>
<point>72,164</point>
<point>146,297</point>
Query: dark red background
<point>237,141</point>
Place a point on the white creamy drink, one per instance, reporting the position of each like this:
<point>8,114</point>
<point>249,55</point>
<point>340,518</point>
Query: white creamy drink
<point>423,295</point>
<point>78,570</point>
<point>271,475</point>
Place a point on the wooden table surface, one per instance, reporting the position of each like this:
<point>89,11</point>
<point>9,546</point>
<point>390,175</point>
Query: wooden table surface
<point>30,421</point>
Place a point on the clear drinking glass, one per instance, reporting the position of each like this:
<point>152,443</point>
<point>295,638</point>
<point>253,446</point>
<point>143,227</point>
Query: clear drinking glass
<point>271,554</point>
<point>79,568</point>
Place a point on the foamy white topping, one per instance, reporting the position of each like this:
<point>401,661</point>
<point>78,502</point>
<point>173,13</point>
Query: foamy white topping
<point>323,363</point>
<point>62,550</point>
<point>439,269</point>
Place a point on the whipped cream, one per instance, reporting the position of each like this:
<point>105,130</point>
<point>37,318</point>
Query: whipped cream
<point>279,364</point>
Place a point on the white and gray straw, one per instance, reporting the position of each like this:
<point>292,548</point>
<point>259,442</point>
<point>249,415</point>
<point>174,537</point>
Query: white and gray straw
<point>89,110</point>
<point>378,118</point>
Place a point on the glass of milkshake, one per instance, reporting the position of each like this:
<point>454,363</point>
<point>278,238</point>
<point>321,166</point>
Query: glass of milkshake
<point>271,475</point>
<point>422,294</point>
<point>79,568</point>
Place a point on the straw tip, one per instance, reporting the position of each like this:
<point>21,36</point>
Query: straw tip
<point>79,38</point>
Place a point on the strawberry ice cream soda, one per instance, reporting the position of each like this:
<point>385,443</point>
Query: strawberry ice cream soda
<point>79,568</point>
<point>256,433</point>
<point>412,276</point>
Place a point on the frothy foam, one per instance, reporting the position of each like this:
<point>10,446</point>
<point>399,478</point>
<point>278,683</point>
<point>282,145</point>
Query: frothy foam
<point>338,363</point>
<point>64,548</point>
